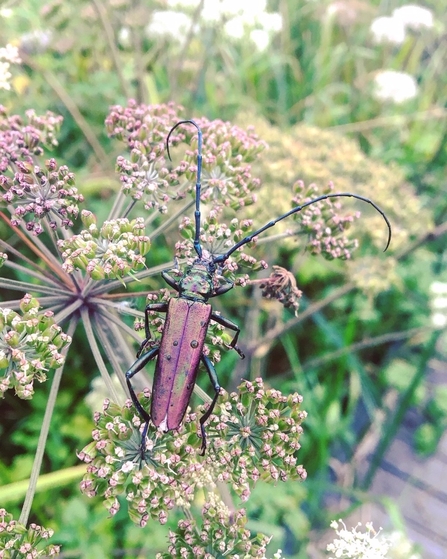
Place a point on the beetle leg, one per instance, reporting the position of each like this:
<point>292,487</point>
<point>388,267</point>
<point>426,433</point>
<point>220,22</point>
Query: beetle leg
<point>215,382</point>
<point>232,326</point>
<point>139,364</point>
<point>170,281</point>
<point>226,286</point>
<point>160,307</point>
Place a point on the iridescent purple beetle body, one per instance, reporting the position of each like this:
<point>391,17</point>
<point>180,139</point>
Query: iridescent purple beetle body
<point>187,319</point>
<point>178,362</point>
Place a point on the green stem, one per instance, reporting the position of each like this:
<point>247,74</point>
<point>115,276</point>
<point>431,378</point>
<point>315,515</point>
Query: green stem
<point>24,286</point>
<point>97,355</point>
<point>111,40</point>
<point>38,273</point>
<point>118,205</point>
<point>41,277</point>
<point>115,349</point>
<point>68,311</point>
<point>110,317</point>
<point>311,309</point>
<point>371,342</point>
<point>173,218</point>
<point>37,464</point>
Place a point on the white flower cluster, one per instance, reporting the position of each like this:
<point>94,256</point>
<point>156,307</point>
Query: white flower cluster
<point>393,29</point>
<point>234,18</point>
<point>354,544</point>
<point>8,55</point>
<point>393,86</point>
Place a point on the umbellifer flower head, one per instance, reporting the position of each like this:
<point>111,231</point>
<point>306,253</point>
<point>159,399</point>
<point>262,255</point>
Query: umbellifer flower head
<point>253,435</point>
<point>324,225</point>
<point>354,544</point>
<point>153,482</point>
<point>33,191</point>
<point>18,541</point>
<point>30,344</point>
<point>222,534</point>
<point>115,250</point>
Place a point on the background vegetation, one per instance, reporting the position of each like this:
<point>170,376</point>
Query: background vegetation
<point>368,329</point>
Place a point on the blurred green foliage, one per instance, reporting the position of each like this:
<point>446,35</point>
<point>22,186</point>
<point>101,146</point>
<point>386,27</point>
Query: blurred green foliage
<point>313,83</point>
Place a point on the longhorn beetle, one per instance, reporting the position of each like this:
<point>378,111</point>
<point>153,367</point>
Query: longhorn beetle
<point>187,319</point>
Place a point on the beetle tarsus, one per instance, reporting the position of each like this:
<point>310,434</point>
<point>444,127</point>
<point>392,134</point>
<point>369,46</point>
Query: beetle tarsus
<point>143,440</point>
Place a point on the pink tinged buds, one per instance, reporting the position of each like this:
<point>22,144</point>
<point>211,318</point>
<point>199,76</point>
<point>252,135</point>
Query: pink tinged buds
<point>30,346</point>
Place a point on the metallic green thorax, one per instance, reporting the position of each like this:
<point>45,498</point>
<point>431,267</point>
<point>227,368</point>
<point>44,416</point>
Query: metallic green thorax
<point>197,282</point>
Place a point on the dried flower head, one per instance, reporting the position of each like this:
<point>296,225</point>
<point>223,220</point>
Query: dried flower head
<point>222,534</point>
<point>30,345</point>
<point>18,541</point>
<point>281,285</point>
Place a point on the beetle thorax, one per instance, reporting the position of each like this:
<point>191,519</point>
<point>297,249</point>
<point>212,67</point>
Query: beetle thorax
<point>197,283</point>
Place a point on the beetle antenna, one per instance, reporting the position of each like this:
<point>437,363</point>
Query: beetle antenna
<point>197,245</point>
<point>222,257</point>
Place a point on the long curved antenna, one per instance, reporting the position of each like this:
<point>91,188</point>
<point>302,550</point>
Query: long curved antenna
<point>197,245</point>
<point>245,240</point>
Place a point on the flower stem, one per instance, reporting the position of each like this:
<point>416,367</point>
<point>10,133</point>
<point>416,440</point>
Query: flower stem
<point>49,408</point>
<point>97,355</point>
